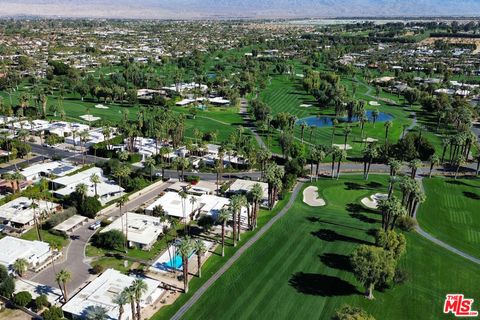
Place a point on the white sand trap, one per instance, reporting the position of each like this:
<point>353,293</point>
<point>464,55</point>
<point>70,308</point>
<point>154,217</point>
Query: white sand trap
<point>304,105</point>
<point>89,118</point>
<point>374,103</point>
<point>342,146</point>
<point>101,106</point>
<point>370,140</point>
<point>310,197</point>
<point>372,201</point>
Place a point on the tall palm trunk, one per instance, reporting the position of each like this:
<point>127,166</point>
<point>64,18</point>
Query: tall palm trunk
<point>223,238</point>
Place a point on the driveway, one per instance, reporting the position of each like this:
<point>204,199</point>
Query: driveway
<point>73,261</point>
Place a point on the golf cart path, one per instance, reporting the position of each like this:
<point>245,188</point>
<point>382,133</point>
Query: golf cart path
<point>442,244</point>
<point>198,294</point>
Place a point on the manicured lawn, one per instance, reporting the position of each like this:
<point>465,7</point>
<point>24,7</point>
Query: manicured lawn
<point>300,268</point>
<point>46,236</point>
<point>215,262</point>
<point>452,212</point>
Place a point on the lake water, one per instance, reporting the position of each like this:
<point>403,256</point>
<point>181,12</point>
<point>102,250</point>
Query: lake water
<point>327,121</point>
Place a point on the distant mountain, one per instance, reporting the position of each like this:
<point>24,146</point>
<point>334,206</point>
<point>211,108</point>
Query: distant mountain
<point>178,9</point>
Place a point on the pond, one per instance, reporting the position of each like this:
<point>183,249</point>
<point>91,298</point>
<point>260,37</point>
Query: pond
<point>327,121</point>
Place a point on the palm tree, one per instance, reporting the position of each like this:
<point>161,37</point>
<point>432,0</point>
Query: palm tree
<point>183,195</point>
<point>95,179</point>
<point>20,266</point>
<point>414,165</point>
<point>121,172</point>
<point>185,247</point>
<point>303,126</point>
<point>369,153</point>
<point>256,195</point>
<point>200,249</point>
<point>96,313</point>
<point>223,218</point>
<point>139,288</point>
<point>334,126</point>
<point>434,161</point>
<point>120,300</point>
<point>83,139</point>
<point>341,155</point>
<point>375,114</point>
<point>62,277</point>
<point>388,124</point>
<point>150,164</point>
<point>459,161</point>
<point>346,132</point>
<point>81,189</point>
<point>121,202</point>
<point>130,295</point>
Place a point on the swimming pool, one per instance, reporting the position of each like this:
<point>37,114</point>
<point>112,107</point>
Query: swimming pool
<point>327,121</point>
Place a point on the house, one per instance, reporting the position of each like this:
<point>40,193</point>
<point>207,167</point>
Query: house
<point>102,291</point>
<point>241,186</point>
<point>21,214</point>
<point>56,168</point>
<point>192,207</point>
<point>142,231</point>
<point>106,190</point>
<point>34,252</point>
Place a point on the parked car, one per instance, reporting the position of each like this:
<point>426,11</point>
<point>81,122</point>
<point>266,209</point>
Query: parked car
<point>95,225</point>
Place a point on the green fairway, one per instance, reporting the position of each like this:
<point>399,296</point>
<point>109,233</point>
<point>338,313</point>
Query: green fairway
<point>451,212</point>
<point>300,268</point>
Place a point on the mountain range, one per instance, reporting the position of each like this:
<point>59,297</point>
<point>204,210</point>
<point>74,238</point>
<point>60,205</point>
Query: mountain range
<point>191,9</point>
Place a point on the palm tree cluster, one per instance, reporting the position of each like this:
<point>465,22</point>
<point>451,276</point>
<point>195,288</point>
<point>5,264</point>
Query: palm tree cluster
<point>132,295</point>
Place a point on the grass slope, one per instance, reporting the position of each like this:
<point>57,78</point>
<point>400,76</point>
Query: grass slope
<point>300,269</point>
<point>451,212</point>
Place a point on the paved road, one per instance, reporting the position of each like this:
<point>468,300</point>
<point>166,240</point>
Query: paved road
<point>73,260</point>
<point>197,295</point>
<point>64,154</point>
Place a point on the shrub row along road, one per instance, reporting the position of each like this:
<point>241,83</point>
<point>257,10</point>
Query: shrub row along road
<point>237,255</point>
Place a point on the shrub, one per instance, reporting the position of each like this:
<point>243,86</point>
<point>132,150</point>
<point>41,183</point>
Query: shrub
<point>192,179</point>
<point>406,223</point>
<point>347,312</point>
<point>22,298</point>
<point>58,218</point>
<point>53,313</point>
<point>41,301</point>
<point>98,268</point>
<point>58,233</point>
<point>111,240</point>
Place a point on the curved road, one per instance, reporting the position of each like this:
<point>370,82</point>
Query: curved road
<point>197,295</point>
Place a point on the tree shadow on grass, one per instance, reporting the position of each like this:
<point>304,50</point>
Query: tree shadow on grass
<point>354,186</point>
<point>336,261</point>
<point>461,183</point>
<point>363,217</point>
<point>357,208</point>
<point>318,220</point>
<point>331,236</point>
<point>321,285</point>
<point>471,195</point>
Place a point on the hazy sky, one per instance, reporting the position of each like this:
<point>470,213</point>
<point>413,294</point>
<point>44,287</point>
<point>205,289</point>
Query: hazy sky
<point>175,9</point>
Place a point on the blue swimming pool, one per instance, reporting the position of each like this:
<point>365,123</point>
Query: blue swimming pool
<point>175,263</point>
<point>327,121</point>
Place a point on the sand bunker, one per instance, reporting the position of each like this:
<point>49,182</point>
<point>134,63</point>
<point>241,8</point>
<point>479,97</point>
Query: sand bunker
<point>374,103</point>
<point>370,140</point>
<point>304,105</point>
<point>100,106</point>
<point>310,197</point>
<point>89,118</point>
<point>372,201</point>
<point>342,146</point>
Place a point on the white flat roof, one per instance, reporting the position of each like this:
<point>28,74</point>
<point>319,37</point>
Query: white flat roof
<point>171,202</point>
<point>101,292</point>
<point>70,223</point>
<point>142,229</point>
<point>12,248</point>
<point>20,210</point>
<point>241,185</point>
<point>36,289</point>
<point>57,168</point>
